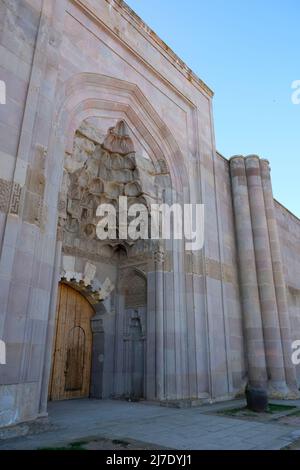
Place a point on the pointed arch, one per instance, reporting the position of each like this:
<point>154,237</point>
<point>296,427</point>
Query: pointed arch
<point>90,95</point>
<point>133,286</point>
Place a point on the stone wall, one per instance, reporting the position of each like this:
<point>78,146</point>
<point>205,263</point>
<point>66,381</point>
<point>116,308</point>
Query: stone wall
<point>22,278</point>
<point>289,233</point>
<point>67,61</point>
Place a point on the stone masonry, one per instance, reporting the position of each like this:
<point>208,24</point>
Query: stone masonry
<point>99,107</point>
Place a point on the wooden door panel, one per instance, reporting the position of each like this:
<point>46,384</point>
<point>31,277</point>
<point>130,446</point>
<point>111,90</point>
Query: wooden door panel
<point>73,346</point>
<point>74,371</point>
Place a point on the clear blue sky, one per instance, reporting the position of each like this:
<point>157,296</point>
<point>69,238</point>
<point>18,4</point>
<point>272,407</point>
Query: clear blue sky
<point>248,52</point>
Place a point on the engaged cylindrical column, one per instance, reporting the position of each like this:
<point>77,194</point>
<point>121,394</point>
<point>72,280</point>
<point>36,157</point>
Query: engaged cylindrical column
<point>281,297</point>
<point>264,269</point>
<point>257,374</point>
<point>159,324</point>
<point>50,332</point>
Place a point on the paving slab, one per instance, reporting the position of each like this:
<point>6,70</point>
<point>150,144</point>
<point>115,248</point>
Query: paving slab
<point>172,428</point>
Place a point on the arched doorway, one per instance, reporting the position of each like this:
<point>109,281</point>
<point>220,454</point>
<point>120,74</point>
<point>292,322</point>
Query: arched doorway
<point>105,171</point>
<point>72,355</point>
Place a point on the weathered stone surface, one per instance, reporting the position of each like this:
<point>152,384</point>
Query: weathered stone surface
<point>118,140</point>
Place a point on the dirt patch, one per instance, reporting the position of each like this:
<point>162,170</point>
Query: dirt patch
<point>275,412</point>
<point>105,444</point>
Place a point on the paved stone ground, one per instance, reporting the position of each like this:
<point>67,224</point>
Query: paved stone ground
<point>192,428</point>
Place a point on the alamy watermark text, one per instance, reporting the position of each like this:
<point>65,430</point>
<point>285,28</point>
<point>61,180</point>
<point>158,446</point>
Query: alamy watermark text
<point>2,353</point>
<point>2,92</point>
<point>296,92</point>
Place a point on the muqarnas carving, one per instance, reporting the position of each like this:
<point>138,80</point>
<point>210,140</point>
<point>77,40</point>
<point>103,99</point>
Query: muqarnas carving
<point>99,173</point>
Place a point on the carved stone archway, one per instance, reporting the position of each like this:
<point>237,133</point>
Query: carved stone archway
<point>85,95</point>
<point>101,171</point>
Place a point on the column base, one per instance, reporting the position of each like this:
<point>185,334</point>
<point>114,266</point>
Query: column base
<point>257,399</point>
<point>281,391</point>
<point>293,394</point>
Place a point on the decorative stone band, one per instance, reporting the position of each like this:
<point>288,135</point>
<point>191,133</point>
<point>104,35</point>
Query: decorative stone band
<point>10,197</point>
<point>213,269</point>
<point>92,255</point>
<point>5,189</point>
<point>88,285</point>
<point>16,199</point>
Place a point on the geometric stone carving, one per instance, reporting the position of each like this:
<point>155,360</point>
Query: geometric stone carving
<point>72,275</point>
<point>159,256</point>
<point>87,283</point>
<point>4,195</point>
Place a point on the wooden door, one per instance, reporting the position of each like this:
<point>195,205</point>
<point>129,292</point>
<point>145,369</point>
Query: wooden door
<point>71,369</point>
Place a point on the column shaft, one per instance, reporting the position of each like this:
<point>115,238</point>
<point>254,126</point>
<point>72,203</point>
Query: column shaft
<point>159,325</point>
<point>264,268</point>
<point>248,279</point>
<point>280,288</point>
